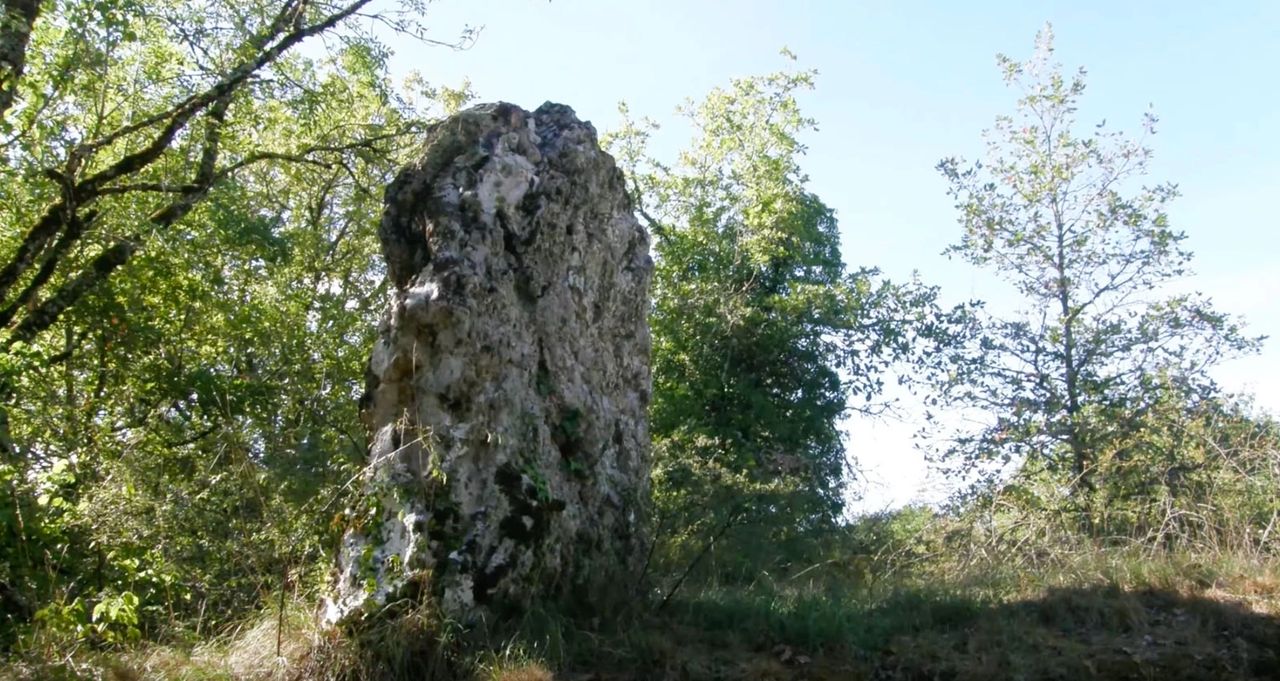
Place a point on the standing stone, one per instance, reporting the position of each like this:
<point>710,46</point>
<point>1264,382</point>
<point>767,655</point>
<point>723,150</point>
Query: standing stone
<point>507,391</point>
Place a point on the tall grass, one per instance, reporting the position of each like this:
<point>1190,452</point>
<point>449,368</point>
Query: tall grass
<point>1000,590</point>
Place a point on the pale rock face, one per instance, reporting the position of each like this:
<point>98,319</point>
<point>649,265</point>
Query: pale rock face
<point>507,391</point>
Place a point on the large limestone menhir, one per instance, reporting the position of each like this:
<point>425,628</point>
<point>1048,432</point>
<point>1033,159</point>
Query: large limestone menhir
<point>507,390</point>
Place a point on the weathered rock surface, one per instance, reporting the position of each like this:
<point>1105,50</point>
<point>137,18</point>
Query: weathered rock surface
<point>507,391</point>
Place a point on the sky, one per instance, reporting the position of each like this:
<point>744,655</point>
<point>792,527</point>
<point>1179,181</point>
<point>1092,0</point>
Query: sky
<point>902,85</point>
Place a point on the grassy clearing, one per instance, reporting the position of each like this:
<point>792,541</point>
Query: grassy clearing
<point>1112,614</point>
<point>1108,612</point>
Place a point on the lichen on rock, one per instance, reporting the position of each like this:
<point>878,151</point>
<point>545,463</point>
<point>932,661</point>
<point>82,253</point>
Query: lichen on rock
<point>507,391</point>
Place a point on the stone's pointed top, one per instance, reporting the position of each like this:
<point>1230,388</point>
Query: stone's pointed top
<point>557,109</point>
<point>512,113</point>
<point>507,392</point>
<point>554,115</point>
<point>474,138</point>
<point>561,111</point>
<point>498,110</point>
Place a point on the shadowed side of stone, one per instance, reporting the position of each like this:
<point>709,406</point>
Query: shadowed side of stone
<point>506,393</point>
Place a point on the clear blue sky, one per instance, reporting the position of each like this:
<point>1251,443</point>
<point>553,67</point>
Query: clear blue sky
<point>904,84</point>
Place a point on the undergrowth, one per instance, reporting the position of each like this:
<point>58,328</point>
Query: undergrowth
<point>943,601</point>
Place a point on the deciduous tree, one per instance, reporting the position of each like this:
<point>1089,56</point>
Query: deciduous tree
<point>763,338</point>
<point>188,281</point>
<point>1058,213</point>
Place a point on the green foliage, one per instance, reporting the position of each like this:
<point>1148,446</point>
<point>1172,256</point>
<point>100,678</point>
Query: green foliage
<point>115,617</point>
<point>188,292</point>
<point>1200,474</point>
<point>1187,478</point>
<point>1100,339</point>
<point>760,333</point>
<point>190,282</point>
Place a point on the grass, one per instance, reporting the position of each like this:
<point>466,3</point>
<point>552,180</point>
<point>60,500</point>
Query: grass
<point>1110,613</point>
<point>1087,610</point>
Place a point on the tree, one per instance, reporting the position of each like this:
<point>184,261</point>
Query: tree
<point>1059,216</point>
<point>121,117</point>
<point>761,336</point>
<point>1199,473</point>
<point>188,291</point>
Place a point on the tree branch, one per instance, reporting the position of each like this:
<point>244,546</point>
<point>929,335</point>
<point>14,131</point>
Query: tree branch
<point>15,32</point>
<point>60,216</point>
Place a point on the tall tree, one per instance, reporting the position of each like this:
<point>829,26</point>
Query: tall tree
<point>761,334</point>
<point>186,290</point>
<point>1060,216</point>
<point>121,117</point>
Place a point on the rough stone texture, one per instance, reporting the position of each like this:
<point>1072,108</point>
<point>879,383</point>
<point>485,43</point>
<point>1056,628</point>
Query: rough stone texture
<point>507,391</point>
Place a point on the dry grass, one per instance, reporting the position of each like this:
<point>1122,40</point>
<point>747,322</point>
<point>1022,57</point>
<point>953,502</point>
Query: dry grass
<point>266,651</point>
<point>260,650</point>
<point>530,671</point>
<point>1102,612</point>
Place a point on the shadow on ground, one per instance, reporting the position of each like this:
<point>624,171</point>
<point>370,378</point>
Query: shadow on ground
<point>1100,633</point>
<point>1071,633</point>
